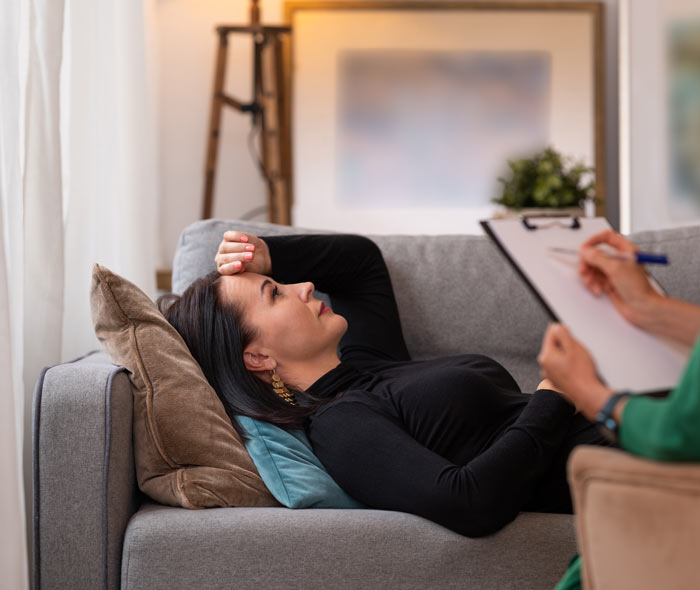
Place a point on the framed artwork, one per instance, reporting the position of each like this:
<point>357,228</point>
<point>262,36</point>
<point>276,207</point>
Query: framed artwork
<point>403,115</point>
<point>659,114</point>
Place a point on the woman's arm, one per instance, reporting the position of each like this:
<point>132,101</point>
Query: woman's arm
<point>349,268</point>
<point>352,271</point>
<point>377,462</point>
<point>672,318</point>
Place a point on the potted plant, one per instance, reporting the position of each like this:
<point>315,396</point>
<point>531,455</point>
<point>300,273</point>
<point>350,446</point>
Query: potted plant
<point>547,183</point>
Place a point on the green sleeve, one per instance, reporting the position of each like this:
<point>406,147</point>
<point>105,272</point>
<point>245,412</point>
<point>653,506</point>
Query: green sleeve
<point>666,429</point>
<point>572,577</point>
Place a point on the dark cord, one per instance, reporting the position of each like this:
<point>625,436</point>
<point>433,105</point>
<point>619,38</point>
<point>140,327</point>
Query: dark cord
<point>256,127</point>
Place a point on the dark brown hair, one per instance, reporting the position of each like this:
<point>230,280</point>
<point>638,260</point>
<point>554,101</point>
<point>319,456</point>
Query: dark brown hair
<point>216,333</point>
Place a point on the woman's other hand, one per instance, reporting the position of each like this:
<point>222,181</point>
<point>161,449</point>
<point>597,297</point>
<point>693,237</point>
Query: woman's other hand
<point>566,363</point>
<point>239,252</point>
<point>624,281</point>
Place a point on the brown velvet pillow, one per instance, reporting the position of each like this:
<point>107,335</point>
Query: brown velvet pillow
<point>186,450</point>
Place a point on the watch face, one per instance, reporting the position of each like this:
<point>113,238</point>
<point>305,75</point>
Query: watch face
<point>610,424</point>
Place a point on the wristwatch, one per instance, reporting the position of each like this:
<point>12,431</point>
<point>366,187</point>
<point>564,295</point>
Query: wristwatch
<point>604,418</point>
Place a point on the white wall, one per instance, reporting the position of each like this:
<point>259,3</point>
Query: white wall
<point>647,199</point>
<point>186,48</point>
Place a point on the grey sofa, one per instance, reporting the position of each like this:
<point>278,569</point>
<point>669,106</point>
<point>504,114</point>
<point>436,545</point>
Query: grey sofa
<point>93,529</point>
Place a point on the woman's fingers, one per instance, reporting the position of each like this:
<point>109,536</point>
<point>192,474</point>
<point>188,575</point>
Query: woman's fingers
<point>600,270</point>
<point>595,281</point>
<point>228,247</point>
<point>234,251</point>
<point>230,268</point>
<point>240,252</point>
<point>242,256</point>
<point>595,267</point>
<point>235,236</point>
<point>550,344</point>
<point>562,340</point>
<point>600,260</point>
<point>232,262</point>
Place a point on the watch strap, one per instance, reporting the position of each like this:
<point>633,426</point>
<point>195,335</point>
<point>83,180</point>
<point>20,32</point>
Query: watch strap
<point>605,416</point>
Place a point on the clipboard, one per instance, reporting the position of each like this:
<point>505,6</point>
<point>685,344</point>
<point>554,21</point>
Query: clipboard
<point>627,357</point>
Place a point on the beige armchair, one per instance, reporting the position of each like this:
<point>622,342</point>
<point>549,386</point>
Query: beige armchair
<point>638,521</point>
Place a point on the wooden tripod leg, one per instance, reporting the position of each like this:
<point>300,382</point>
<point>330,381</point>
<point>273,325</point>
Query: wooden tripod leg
<point>284,203</point>
<point>273,127</point>
<point>214,125</point>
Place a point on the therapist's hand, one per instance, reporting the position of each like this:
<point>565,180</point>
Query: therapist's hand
<point>569,366</point>
<point>624,281</point>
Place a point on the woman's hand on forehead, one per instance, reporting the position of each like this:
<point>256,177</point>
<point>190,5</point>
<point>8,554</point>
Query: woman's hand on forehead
<point>239,252</point>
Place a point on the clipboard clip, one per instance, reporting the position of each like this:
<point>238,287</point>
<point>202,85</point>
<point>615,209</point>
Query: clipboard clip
<point>553,221</point>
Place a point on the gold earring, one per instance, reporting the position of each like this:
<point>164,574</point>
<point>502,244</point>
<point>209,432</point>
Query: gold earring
<point>281,389</point>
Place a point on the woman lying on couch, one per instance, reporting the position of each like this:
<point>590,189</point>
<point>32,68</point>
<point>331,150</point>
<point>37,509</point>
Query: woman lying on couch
<point>452,439</point>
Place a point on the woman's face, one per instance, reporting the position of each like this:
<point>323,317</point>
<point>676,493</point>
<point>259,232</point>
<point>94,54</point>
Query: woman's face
<point>292,326</point>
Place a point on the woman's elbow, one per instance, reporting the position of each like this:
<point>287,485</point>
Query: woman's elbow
<point>479,519</point>
<point>482,525</point>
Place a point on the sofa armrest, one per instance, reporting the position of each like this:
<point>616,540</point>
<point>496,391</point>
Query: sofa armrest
<point>638,521</point>
<point>84,482</point>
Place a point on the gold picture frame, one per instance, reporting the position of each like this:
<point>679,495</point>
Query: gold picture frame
<point>310,125</point>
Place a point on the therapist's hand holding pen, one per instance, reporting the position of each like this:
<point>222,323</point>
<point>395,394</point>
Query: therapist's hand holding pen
<point>627,284</point>
<point>623,280</point>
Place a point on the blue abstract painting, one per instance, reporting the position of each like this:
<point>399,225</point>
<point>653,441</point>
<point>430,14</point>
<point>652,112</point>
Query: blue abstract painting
<point>436,127</point>
<point>684,118</point>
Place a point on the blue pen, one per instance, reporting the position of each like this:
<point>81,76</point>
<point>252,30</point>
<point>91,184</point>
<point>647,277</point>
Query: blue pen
<point>638,257</point>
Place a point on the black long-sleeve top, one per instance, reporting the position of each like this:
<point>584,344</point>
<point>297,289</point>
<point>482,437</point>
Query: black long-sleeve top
<point>452,439</point>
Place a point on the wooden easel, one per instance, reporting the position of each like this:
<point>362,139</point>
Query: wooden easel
<point>270,104</point>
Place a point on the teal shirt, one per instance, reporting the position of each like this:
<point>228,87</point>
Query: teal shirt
<point>664,429</point>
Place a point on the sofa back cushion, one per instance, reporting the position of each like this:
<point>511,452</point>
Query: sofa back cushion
<point>456,293</point>
<point>185,449</point>
<point>682,245</point>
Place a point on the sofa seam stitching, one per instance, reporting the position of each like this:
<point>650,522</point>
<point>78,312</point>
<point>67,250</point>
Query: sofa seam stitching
<point>36,504</point>
<point>105,471</point>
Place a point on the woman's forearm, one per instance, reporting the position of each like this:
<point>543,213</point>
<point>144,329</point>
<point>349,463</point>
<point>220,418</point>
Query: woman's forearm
<point>668,317</point>
<point>352,271</point>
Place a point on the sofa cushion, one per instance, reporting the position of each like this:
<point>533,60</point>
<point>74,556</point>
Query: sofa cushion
<point>337,549</point>
<point>290,469</point>
<point>185,449</point>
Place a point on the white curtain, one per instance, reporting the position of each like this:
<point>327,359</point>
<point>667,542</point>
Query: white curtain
<point>110,163</point>
<point>78,185</point>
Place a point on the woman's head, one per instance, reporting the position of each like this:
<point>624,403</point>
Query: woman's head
<point>288,327</point>
<point>237,339</point>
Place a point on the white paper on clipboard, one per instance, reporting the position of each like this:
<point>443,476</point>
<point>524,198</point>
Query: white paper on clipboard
<point>627,357</point>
